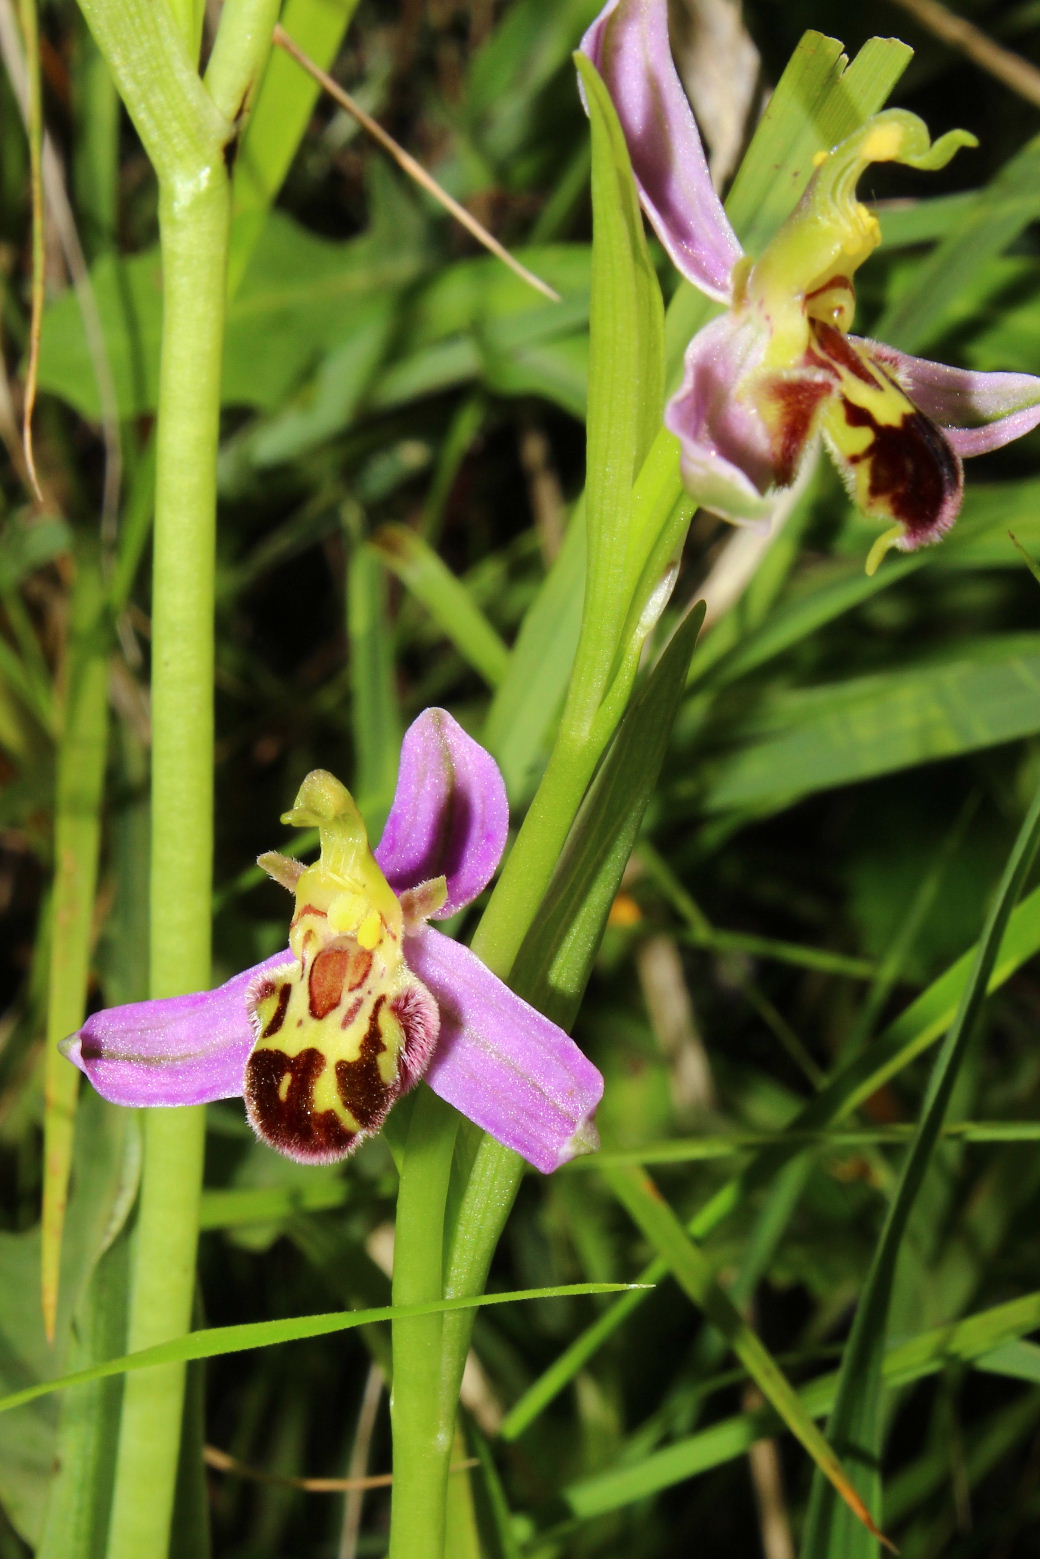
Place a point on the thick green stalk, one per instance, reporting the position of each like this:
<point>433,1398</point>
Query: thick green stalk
<point>194,217</point>
<point>186,135</point>
<point>422,1440</point>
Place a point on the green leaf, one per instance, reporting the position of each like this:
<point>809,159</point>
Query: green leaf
<point>445,597</point>
<point>926,1354</point>
<point>375,714</point>
<point>855,1424</point>
<point>557,956</point>
<point>279,118</point>
<point>27,1438</point>
<point>301,299</point>
<point>527,703</point>
<point>810,739</point>
<point>219,1340</point>
<point>77,834</point>
<point>80,1490</point>
<point>626,362</point>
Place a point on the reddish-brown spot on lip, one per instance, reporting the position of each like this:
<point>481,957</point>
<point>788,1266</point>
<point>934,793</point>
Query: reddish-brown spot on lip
<point>360,1083</point>
<point>277,1017</point>
<point>352,1011</point>
<point>797,402</point>
<point>359,972</point>
<point>328,973</point>
<point>837,348</point>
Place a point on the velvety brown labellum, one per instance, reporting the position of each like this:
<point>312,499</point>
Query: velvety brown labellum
<point>905,470</point>
<point>314,1086</point>
<point>285,1115</point>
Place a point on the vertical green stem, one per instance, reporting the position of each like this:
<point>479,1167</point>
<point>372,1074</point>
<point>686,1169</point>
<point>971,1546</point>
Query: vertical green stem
<point>422,1441</point>
<point>194,226</point>
<point>186,131</point>
<point>626,514</point>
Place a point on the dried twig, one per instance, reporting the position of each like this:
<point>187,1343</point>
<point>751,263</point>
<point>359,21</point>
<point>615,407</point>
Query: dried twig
<point>220,1461</point>
<point>405,160</point>
<point>1008,67</point>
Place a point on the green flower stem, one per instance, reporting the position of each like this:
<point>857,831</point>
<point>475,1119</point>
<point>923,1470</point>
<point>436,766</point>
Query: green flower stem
<point>194,225</point>
<point>422,1439</point>
<point>186,136</point>
<point>634,525</point>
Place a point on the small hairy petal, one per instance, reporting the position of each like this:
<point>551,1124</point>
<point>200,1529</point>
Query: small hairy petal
<point>176,1050</point>
<point>728,457</point>
<point>501,1062</point>
<point>450,815</point>
<point>976,411</point>
<point>628,44</point>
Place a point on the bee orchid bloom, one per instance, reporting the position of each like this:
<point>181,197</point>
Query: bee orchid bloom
<point>322,1040</point>
<point>779,369</point>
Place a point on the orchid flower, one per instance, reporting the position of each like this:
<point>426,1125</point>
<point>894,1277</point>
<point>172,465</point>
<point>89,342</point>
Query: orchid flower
<point>779,369</point>
<point>323,1039</point>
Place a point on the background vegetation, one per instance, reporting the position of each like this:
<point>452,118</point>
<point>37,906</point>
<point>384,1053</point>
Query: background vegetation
<point>403,440</point>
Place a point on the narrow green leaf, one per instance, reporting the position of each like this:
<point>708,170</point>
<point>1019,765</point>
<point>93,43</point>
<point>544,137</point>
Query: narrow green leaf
<point>219,1340</point>
<point>283,108</point>
<point>626,360</point>
<point>375,717</point>
<point>810,739</point>
<point>527,703</point>
<point>1016,1360</point>
<point>88,1431</point>
<point>905,1038</point>
<point>77,832</point>
<point>237,1208</point>
<point>926,1354</point>
<point>445,597</point>
<point>557,956</point>
<point>691,1150</point>
<point>856,1422</point>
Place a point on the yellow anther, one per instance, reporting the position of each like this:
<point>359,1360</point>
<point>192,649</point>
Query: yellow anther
<point>370,931</point>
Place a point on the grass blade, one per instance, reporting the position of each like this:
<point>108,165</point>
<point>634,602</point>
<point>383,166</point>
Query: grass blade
<point>692,1271</point>
<point>77,828</point>
<point>855,1424</point>
<point>218,1340</point>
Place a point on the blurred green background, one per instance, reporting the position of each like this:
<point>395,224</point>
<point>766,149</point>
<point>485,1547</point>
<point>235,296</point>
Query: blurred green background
<point>403,442</point>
